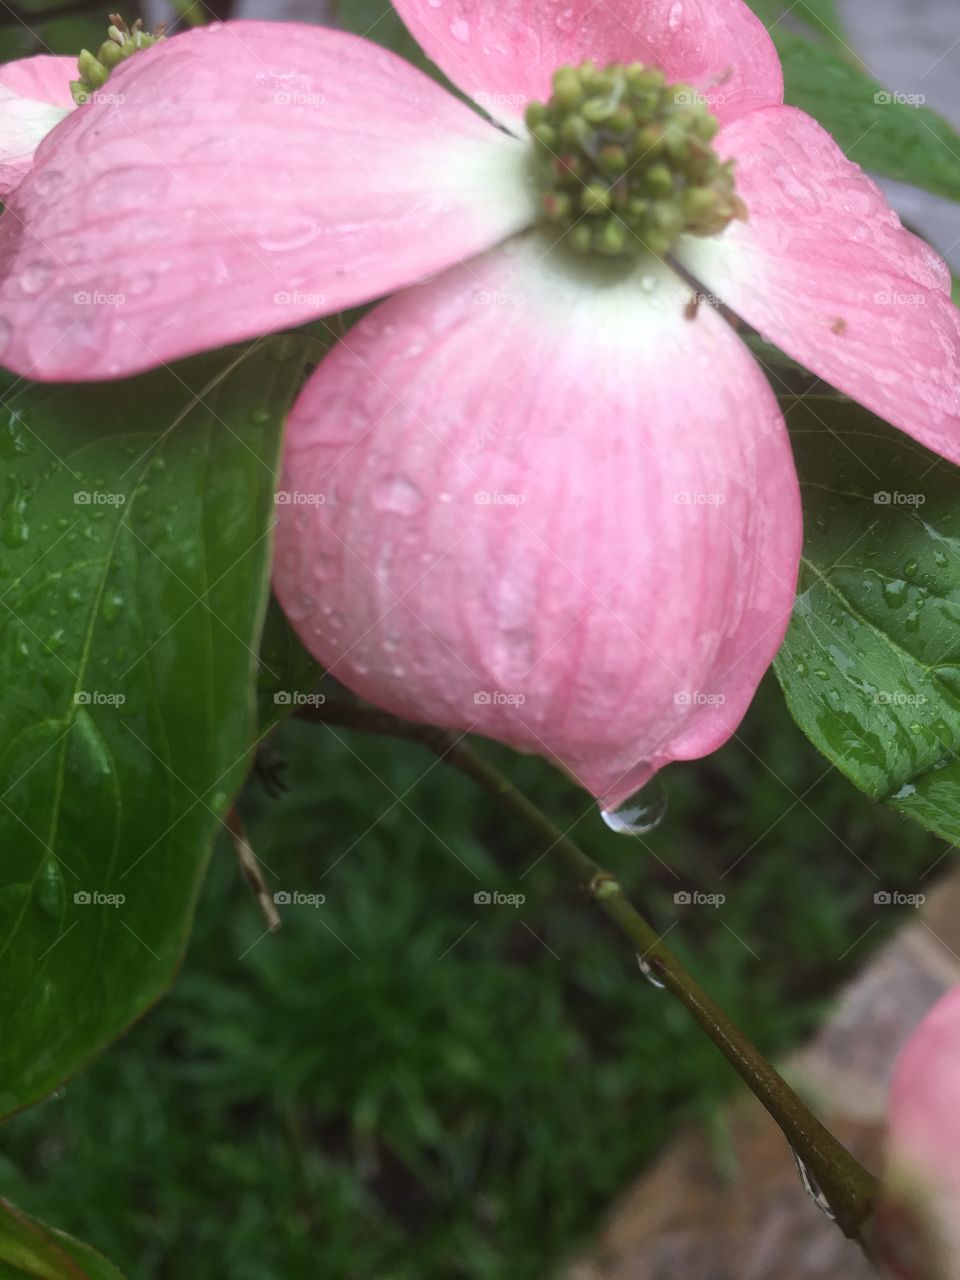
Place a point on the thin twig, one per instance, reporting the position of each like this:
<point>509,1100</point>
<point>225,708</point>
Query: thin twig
<point>849,1189</point>
<point>250,869</point>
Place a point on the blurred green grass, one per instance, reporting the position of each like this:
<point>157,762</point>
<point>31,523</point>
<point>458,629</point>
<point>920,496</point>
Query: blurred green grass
<point>405,1084</point>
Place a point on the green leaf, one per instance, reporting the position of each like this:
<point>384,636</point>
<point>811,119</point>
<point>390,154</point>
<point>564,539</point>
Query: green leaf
<point>820,16</point>
<point>875,128</point>
<point>136,543</point>
<point>871,663</point>
<point>30,1249</point>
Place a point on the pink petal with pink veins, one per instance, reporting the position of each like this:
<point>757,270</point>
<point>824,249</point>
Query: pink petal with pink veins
<point>237,180</point>
<point>824,269</point>
<point>533,499</point>
<point>34,97</point>
<point>504,54</point>
<point>917,1228</point>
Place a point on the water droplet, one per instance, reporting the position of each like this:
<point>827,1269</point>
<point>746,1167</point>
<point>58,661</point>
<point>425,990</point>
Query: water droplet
<point>398,495</point>
<point>910,569</point>
<point>676,15</point>
<point>35,277</point>
<point>292,234</point>
<point>15,530</point>
<point>895,592</point>
<point>50,894</point>
<point>460,30</point>
<point>640,813</point>
<point>111,606</point>
<point>811,1187</point>
<point>648,974</point>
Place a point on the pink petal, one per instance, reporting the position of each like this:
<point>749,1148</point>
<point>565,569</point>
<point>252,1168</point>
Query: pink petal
<point>539,502</point>
<point>917,1228</point>
<point>824,269</point>
<point>503,55</point>
<point>240,179</point>
<point>34,97</point>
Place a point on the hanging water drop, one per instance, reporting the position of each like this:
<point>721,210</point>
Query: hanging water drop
<point>648,974</point>
<point>811,1187</point>
<point>640,813</point>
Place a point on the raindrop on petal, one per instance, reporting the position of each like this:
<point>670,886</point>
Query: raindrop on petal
<point>640,812</point>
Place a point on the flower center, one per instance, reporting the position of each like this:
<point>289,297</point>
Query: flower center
<point>625,161</point>
<point>121,42</point>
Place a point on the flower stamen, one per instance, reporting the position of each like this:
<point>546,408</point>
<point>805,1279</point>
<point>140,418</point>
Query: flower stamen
<point>122,42</point>
<point>625,161</point>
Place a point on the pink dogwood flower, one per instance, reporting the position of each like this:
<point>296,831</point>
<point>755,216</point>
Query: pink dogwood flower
<point>916,1228</point>
<point>34,97</point>
<point>536,493</point>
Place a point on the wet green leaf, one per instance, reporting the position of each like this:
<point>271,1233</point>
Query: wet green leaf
<point>871,663</point>
<point>135,543</point>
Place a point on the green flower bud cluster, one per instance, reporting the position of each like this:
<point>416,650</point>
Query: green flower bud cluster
<point>121,42</point>
<point>625,161</point>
